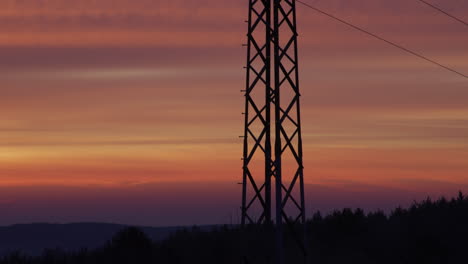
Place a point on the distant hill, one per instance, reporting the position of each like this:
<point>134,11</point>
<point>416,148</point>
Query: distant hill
<point>32,239</point>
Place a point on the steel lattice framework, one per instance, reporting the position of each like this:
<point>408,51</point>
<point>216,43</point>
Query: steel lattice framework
<point>272,136</point>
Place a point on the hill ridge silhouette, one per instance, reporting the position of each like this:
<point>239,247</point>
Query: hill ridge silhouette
<point>34,238</point>
<point>429,231</point>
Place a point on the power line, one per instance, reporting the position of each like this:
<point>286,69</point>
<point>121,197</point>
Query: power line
<point>384,40</point>
<point>444,12</point>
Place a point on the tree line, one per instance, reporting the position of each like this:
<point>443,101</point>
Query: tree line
<point>430,231</point>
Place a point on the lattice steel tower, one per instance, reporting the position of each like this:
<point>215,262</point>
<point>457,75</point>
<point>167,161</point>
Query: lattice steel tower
<point>272,136</point>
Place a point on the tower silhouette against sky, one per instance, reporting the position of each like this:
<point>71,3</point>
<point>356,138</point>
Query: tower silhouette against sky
<point>272,156</point>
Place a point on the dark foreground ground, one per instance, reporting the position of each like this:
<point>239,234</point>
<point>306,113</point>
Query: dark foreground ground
<point>427,232</point>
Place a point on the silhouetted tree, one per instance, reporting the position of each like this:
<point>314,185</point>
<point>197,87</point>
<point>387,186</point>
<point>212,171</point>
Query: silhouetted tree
<point>129,246</point>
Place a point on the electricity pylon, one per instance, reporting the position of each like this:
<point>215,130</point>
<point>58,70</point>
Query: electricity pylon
<point>272,135</point>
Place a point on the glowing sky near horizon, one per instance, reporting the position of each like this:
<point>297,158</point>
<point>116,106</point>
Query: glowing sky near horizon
<point>112,96</point>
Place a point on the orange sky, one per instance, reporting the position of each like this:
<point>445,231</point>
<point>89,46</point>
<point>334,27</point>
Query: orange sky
<point>116,95</point>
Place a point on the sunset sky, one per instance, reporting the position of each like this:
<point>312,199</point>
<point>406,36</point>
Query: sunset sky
<point>129,111</point>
